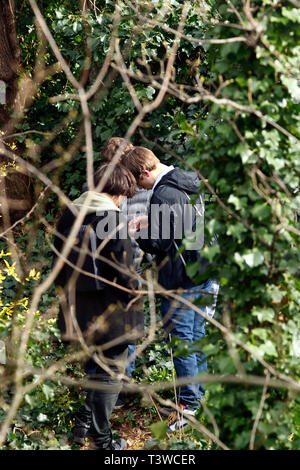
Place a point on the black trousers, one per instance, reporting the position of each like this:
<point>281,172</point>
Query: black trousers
<point>99,404</point>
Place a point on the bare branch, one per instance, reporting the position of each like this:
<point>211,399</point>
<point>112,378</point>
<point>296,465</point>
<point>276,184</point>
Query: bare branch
<point>259,412</point>
<point>177,33</point>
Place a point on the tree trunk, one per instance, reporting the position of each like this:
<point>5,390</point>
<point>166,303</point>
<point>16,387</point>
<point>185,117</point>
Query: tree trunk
<point>9,58</point>
<point>15,186</point>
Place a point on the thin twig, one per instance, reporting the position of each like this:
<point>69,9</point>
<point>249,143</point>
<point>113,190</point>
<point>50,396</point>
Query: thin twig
<point>259,411</point>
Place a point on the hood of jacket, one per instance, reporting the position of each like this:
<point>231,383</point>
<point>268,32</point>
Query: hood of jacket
<point>99,202</point>
<point>187,181</point>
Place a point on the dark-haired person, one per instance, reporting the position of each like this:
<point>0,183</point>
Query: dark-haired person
<point>131,208</point>
<point>100,294</point>
<point>162,233</point>
<point>111,147</point>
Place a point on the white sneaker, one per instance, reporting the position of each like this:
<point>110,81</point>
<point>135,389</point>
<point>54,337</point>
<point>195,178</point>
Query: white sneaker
<point>177,421</point>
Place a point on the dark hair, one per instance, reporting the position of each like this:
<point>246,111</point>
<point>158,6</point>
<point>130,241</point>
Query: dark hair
<point>111,146</point>
<point>120,181</point>
<point>139,159</point>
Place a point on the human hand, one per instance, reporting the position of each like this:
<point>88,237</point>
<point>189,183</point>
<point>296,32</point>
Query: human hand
<point>138,223</point>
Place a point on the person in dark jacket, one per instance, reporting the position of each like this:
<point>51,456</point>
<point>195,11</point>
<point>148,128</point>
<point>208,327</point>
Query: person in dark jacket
<point>98,284</point>
<point>131,208</point>
<point>163,233</point>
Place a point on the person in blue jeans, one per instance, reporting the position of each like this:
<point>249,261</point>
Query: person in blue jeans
<point>185,323</point>
<point>131,359</point>
<point>161,233</point>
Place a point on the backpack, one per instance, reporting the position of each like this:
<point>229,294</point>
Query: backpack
<point>86,239</point>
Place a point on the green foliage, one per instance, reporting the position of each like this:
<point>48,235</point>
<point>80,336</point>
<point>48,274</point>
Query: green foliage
<point>250,155</point>
<point>159,429</point>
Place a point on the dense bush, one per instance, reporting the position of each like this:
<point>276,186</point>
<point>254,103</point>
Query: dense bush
<point>235,119</point>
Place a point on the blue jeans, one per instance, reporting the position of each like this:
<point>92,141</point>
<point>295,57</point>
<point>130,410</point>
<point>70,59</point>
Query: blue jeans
<point>130,365</point>
<point>186,324</point>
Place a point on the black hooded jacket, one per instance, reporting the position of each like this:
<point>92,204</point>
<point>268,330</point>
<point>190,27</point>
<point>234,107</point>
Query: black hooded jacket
<point>94,297</point>
<point>174,189</point>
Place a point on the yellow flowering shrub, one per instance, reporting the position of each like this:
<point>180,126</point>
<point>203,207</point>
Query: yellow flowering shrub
<point>20,306</point>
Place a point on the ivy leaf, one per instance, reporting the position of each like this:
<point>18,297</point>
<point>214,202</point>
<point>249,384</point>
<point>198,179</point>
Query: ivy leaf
<point>235,201</point>
<point>159,429</point>
<point>261,210</point>
<point>264,314</point>
<point>150,92</point>
<point>260,333</point>
<point>42,418</point>
<point>269,348</point>
<point>292,86</point>
<point>254,259</point>
<point>48,391</point>
<point>192,269</point>
<point>275,293</point>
